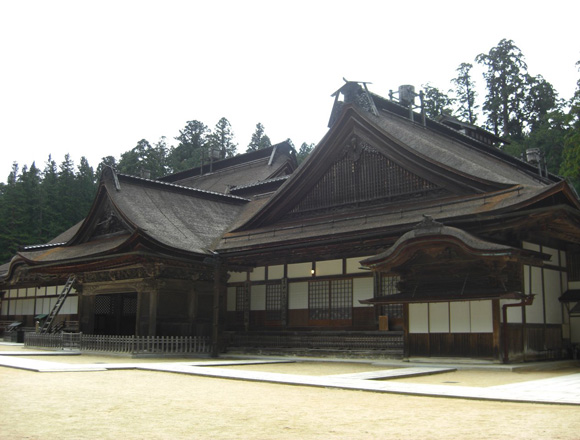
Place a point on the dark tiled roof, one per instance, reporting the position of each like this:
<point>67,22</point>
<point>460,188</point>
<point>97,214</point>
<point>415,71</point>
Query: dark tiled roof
<point>188,220</point>
<point>455,154</point>
<point>162,214</point>
<point>241,170</point>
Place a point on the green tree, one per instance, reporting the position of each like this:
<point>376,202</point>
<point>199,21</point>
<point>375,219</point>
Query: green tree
<point>11,218</point>
<point>135,161</point>
<point>304,151</point>
<point>222,139</point>
<point>85,187</point>
<point>107,161</point>
<point>52,219</point>
<point>570,167</point>
<point>506,89</point>
<point>436,102</point>
<point>465,93</point>
<point>259,139</point>
<point>540,101</point>
<point>30,213</point>
<point>157,159</point>
<point>145,160</point>
<point>192,148</point>
<point>67,202</point>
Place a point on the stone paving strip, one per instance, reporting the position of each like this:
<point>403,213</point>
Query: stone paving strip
<point>558,390</point>
<point>396,373</point>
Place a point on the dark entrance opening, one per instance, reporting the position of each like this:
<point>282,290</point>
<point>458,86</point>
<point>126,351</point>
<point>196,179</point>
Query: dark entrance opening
<point>116,314</point>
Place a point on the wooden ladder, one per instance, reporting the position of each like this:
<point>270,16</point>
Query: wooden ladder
<point>58,305</point>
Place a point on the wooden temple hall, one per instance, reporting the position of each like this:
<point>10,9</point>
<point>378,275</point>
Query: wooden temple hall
<point>399,235</point>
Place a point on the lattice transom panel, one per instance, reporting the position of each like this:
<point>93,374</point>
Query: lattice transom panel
<point>363,174</point>
<point>274,301</point>
<point>330,299</point>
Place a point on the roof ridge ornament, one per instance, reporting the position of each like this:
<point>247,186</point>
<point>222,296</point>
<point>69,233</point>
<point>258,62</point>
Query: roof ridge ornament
<point>354,92</point>
<point>428,224</point>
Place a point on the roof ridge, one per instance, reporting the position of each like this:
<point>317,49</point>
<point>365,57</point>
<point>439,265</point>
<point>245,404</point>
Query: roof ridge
<point>189,188</point>
<point>261,182</point>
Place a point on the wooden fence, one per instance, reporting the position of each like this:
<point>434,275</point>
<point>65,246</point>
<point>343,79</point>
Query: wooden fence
<point>120,344</point>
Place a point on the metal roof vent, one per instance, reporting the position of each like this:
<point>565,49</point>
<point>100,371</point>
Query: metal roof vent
<point>535,156</point>
<point>407,95</point>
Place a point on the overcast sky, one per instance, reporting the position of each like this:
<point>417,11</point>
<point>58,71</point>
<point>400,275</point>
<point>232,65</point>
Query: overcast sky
<point>92,78</point>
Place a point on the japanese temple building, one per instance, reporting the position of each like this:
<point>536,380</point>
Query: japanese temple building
<point>399,234</point>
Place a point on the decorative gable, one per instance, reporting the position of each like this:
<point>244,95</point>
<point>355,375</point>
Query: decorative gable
<point>108,222</point>
<point>363,175</point>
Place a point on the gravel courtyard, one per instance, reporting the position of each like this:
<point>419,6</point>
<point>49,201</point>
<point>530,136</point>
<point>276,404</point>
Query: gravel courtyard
<point>132,404</point>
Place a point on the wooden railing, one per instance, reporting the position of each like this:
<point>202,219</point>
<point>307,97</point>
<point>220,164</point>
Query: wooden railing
<point>120,344</point>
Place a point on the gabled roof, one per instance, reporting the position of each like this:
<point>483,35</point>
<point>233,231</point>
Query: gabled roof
<point>464,180</point>
<point>430,234</point>
<point>451,164</point>
<point>224,176</point>
<point>132,213</point>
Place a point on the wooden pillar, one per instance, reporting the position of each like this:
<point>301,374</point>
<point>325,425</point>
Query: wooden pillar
<point>86,308</point>
<point>496,313</point>
<point>406,350</point>
<point>152,328</point>
<point>219,307</point>
<point>284,302</point>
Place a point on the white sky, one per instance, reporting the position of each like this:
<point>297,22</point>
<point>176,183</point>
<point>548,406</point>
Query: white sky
<point>94,77</point>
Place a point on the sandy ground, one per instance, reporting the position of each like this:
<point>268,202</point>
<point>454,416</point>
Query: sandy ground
<point>132,404</point>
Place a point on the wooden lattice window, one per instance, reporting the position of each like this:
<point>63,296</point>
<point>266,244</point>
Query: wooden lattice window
<point>129,305</point>
<point>330,299</point>
<point>273,301</point>
<point>242,298</point>
<point>573,260</point>
<point>389,287</point>
<point>366,177</point>
<point>103,305</point>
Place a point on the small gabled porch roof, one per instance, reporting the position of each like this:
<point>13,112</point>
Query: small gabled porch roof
<point>439,263</point>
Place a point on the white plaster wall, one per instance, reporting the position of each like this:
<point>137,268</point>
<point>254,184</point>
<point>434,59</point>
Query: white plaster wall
<point>481,316</point>
<point>439,318</point>
<point>299,270</point>
<point>276,272</point>
<point>329,267</point>
<point>531,246</point>
<point>17,306</point>
<point>73,304</point>
<point>534,312</point>
<point>298,295</point>
<point>237,277</point>
<point>459,317</point>
<point>362,289</point>
<point>418,318</point>
<point>258,274</point>
<point>514,314</point>
<point>258,298</point>
<point>573,285</point>
<point>353,265</point>
<point>28,306</point>
<point>563,261</point>
<point>552,291</point>
<point>47,305</point>
<point>53,290</point>
<point>231,301</point>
